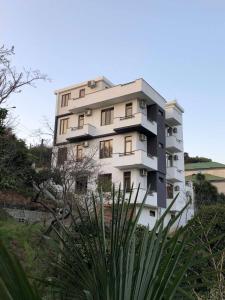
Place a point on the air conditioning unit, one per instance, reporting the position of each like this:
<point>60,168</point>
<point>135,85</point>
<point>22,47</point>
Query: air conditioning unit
<point>142,137</point>
<point>174,130</point>
<point>91,84</point>
<point>142,104</point>
<point>88,112</point>
<point>175,157</point>
<point>85,144</point>
<point>177,188</point>
<point>143,172</point>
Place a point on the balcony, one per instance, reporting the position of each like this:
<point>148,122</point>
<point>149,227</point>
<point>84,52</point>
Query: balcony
<point>173,144</point>
<point>77,134</point>
<point>135,159</point>
<point>150,201</point>
<point>173,174</point>
<point>137,122</point>
<point>117,94</point>
<point>173,116</point>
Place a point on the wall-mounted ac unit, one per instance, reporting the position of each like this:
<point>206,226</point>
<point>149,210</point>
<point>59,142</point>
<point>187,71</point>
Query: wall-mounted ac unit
<point>143,172</point>
<point>174,130</point>
<point>91,84</point>
<point>176,188</point>
<point>88,112</point>
<point>142,104</point>
<point>85,144</point>
<point>142,137</point>
<point>175,157</point>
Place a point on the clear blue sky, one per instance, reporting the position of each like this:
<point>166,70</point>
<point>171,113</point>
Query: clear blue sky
<point>178,46</point>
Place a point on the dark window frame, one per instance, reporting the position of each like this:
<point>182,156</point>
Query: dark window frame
<point>79,149</point>
<point>80,118</point>
<point>126,143</point>
<point>105,182</point>
<point>129,110</point>
<point>65,99</point>
<point>107,116</point>
<point>61,156</point>
<point>62,128</point>
<point>106,149</point>
<point>81,93</point>
<point>81,185</point>
<point>152,213</point>
<point>127,180</point>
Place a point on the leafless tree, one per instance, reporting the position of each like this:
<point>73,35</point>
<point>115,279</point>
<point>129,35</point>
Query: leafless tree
<point>72,178</point>
<point>12,81</point>
<point>46,132</point>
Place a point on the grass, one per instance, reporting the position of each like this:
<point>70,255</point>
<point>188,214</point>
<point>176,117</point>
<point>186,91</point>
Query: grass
<point>22,240</point>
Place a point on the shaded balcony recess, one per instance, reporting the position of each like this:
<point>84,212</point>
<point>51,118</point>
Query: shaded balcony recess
<point>135,159</point>
<point>82,133</point>
<point>135,122</point>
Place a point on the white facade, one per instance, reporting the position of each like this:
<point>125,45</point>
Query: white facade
<point>145,134</point>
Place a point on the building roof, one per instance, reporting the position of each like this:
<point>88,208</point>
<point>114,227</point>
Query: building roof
<point>203,165</point>
<point>208,177</point>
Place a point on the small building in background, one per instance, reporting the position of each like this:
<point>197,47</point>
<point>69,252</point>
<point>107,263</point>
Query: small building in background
<point>214,173</point>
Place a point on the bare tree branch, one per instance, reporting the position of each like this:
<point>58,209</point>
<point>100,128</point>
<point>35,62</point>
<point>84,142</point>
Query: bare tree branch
<point>12,81</point>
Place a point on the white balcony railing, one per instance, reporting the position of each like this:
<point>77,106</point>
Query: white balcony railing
<point>173,116</point>
<point>173,144</point>
<point>87,130</point>
<point>135,120</point>
<point>135,159</point>
<point>173,174</point>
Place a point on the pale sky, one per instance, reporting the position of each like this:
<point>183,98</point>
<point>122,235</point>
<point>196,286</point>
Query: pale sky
<point>178,46</point>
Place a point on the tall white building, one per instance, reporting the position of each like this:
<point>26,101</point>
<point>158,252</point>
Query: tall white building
<point>137,135</point>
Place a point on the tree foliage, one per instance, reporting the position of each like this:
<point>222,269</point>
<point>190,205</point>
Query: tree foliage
<point>205,192</point>
<point>195,159</point>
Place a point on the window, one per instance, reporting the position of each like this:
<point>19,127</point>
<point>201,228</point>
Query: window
<point>79,156</point>
<point>106,149</point>
<point>80,121</point>
<point>128,145</point>
<point>169,160</point>
<point>107,116</point>
<point>169,189</point>
<point>169,131</point>
<point>81,185</point>
<point>64,125</point>
<point>128,110</point>
<point>152,213</point>
<point>81,93</point>
<point>105,182</point>
<point>173,215</point>
<point>127,181</point>
<point>64,100</point>
<point>161,179</point>
<point>62,156</point>
<point>160,112</point>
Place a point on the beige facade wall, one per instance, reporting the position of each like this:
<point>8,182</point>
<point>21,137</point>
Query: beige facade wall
<point>216,172</point>
<point>220,185</point>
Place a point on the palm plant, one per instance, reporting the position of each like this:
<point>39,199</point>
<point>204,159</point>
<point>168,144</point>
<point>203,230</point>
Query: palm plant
<point>99,261</point>
<point>113,262</point>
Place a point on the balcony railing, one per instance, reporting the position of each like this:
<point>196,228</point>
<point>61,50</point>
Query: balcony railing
<point>85,131</point>
<point>138,121</point>
<point>135,159</point>
<point>173,174</point>
<point>173,144</point>
<point>173,116</point>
